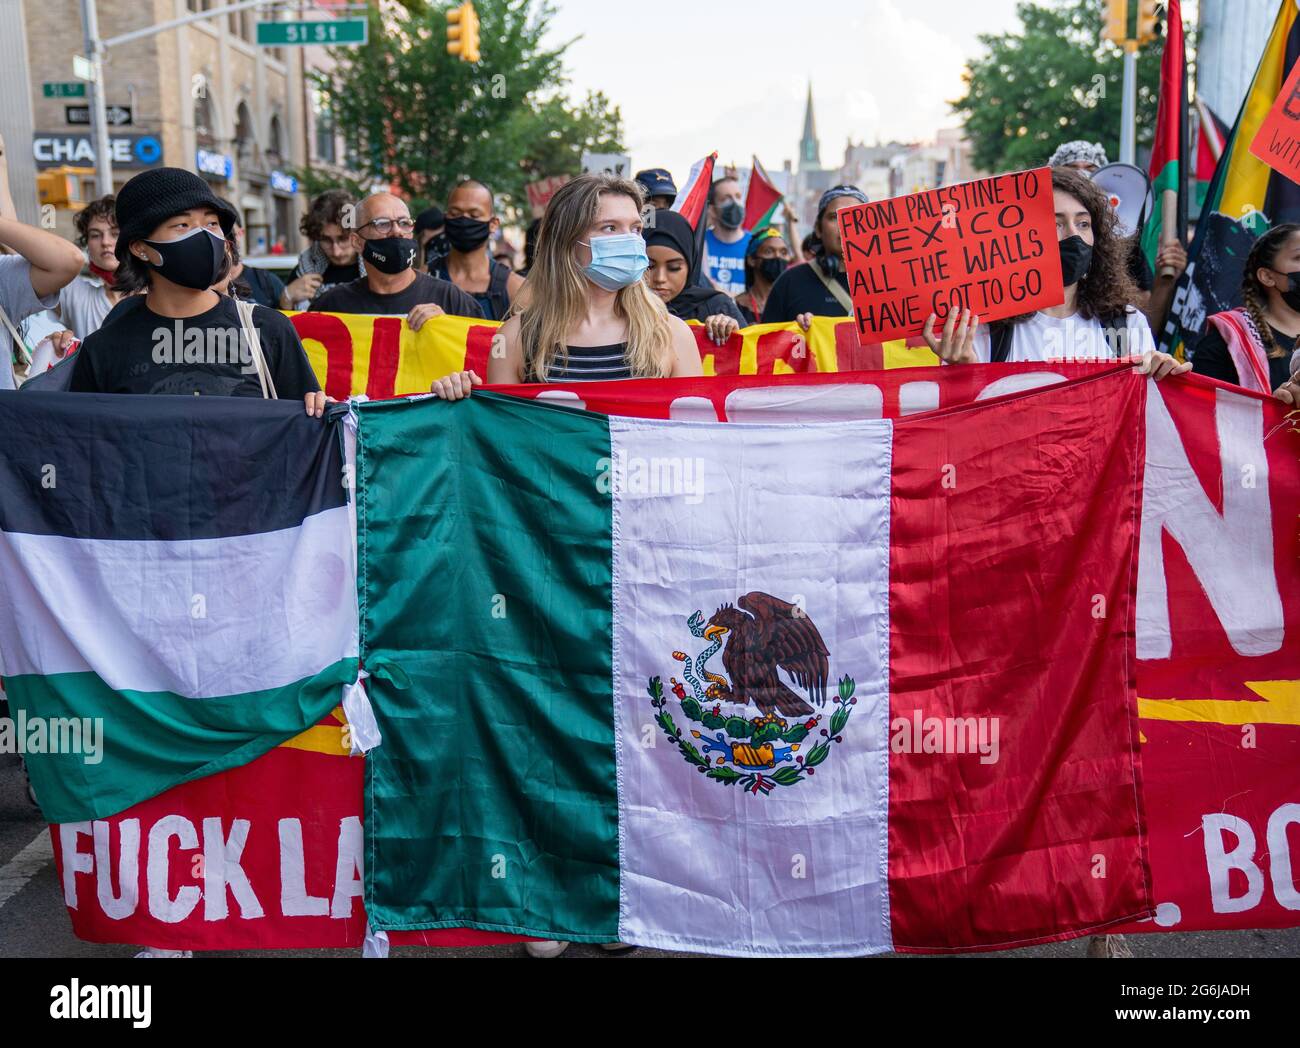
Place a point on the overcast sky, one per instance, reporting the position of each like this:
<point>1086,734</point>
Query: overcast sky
<point>696,75</point>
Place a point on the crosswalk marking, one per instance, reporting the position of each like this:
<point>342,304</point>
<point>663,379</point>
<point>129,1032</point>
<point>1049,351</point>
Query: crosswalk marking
<point>15,874</point>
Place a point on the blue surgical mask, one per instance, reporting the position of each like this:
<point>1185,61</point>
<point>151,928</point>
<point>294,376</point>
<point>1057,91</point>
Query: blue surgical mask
<point>618,260</point>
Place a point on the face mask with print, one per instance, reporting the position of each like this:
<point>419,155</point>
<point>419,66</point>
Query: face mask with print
<point>192,261</point>
<point>391,255</point>
<point>618,260</point>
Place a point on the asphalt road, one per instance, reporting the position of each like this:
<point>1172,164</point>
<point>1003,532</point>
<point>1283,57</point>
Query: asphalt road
<point>34,923</point>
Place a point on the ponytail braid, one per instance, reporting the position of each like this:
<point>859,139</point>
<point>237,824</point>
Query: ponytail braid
<point>1256,321</point>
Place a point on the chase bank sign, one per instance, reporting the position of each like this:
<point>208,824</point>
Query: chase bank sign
<point>217,165</point>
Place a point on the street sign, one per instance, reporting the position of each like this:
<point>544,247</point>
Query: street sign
<point>118,116</point>
<point>334,31</point>
<point>64,90</point>
<point>82,69</point>
<point>53,149</point>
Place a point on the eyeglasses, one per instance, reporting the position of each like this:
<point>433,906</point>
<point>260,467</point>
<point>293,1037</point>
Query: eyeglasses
<point>384,226</point>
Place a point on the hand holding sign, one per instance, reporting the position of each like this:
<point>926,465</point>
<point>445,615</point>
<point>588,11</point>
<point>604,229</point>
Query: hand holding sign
<point>986,246</point>
<point>1277,142</point>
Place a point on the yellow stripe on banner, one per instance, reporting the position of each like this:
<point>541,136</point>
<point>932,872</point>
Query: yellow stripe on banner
<point>1246,183</point>
<point>1281,705</point>
<point>821,341</point>
<point>898,354</point>
<point>323,738</point>
<point>437,349</point>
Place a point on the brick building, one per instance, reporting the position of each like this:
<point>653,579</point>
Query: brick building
<point>202,96</point>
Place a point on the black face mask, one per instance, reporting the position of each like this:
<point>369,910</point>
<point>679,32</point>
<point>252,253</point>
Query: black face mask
<point>731,214</point>
<point>467,234</point>
<point>1076,257</point>
<point>771,268</point>
<point>1290,292</point>
<point>390,255</point>
<point>193,261</point>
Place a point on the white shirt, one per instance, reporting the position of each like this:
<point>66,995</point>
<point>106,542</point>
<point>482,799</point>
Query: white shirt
<point>1043,338</point>
<point>83,305</point>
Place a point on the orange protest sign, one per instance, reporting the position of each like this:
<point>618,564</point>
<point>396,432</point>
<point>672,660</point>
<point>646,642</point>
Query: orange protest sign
<point>988,246</point>
<point>1277,142</point>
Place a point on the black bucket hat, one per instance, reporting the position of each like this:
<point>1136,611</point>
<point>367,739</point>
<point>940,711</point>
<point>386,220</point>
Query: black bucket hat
<point>153,196</point>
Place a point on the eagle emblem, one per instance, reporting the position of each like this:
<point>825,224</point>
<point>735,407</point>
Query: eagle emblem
<point>758,637</point>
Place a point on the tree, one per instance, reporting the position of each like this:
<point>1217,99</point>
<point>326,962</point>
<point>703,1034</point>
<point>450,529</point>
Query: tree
<point>421,119</point>
<point>1053,81</point>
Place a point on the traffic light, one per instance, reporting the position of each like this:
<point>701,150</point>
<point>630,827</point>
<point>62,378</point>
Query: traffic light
<point>56,187</point>
<point>1146,22</point>
<point>1116,28</point>
<point>462,32</point>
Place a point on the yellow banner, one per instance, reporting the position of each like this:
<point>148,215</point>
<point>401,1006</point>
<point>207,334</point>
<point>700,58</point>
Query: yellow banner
<point>382,357</point>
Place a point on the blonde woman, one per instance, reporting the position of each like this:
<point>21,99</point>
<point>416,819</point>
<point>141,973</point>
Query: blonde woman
<point>585,313</point>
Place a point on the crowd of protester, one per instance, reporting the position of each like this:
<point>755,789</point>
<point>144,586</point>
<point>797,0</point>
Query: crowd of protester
<point>167,247</point>
<point>609,278</point>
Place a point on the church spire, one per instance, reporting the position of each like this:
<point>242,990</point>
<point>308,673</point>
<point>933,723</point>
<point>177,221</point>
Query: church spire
<point>810,150</point>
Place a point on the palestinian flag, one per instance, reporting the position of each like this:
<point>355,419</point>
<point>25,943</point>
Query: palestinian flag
<point>1211,137</point>
<point>698,685</point>
<point>1168,149</point>
<point>176,599</point>
<point>1245,199</point>
<point>693,202</point>
<point>761,199</point>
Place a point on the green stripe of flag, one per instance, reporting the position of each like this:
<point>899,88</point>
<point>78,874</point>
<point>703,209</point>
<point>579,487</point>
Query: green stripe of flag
<point>152,741</point>
<point>494,791</point>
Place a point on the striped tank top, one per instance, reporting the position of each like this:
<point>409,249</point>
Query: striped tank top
<point>589,364</point>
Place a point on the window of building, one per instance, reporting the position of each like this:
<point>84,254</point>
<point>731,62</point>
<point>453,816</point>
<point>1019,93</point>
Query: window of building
<point>245,140</point>
<point>275,143</point>
<point>324,123</point>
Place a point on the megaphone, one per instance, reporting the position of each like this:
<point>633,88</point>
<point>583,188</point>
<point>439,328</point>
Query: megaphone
<point>1129,191</point>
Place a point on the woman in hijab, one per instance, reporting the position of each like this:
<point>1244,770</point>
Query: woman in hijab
<point>674,267</point>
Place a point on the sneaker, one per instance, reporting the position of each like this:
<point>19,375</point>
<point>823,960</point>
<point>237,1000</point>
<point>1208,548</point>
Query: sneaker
<point>1108,946</point>
<point>545,948</point>
<point>616,947</point>
<point>154,951</point>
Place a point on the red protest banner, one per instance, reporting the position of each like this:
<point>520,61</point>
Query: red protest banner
<point>987,246</point>
<point>1277,142</point>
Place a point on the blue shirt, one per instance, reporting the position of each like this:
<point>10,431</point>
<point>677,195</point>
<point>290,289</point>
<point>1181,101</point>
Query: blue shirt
<point>725,263</point>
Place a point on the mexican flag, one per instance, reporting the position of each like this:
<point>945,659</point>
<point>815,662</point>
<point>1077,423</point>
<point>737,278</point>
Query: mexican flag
<point>762,198</point>
<point>698,685</point>
<point>1171,119</point>
<point>171,606</point>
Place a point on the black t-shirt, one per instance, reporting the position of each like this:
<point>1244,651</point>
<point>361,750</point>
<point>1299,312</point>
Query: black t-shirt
<point>138,351</point>
<point>1213,360</point>
<point>800,290</point>
<point>357,297</point>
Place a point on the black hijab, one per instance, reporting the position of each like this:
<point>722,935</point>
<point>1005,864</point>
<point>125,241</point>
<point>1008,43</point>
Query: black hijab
<point>671,230</point>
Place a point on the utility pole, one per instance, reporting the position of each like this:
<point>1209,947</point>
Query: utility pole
<point>95,48</point>
<point>1128,118</point>
<point>98,106</point>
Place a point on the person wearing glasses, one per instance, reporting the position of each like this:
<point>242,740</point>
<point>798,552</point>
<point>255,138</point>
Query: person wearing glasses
<point>385,238</point>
